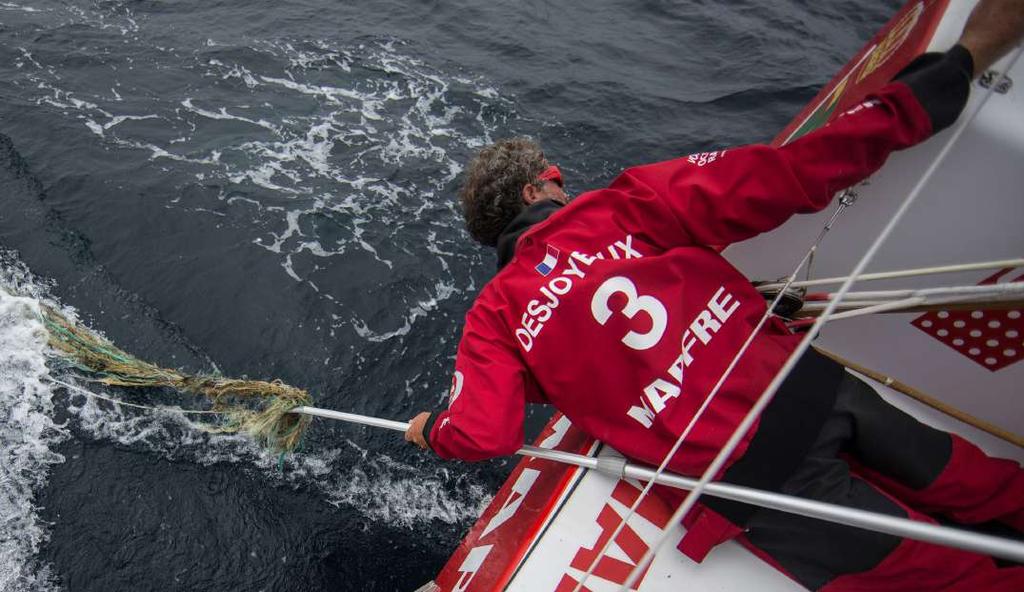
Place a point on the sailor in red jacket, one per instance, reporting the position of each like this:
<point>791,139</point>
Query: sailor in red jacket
<point>615,308</point>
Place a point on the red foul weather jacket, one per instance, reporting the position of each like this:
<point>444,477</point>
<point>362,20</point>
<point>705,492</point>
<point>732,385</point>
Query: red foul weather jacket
<point>615,309</point>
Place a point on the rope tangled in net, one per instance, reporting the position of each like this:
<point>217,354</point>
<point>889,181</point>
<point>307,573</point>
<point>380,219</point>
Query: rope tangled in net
<point>256,407</point>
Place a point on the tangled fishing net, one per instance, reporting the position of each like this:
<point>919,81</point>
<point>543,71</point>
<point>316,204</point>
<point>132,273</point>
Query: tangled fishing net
<point>255,407</point>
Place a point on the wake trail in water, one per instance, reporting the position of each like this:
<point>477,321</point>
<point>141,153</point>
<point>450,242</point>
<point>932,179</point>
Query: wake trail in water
<point>315,146</point>
<point>380,488</point>
<point>27,435</point>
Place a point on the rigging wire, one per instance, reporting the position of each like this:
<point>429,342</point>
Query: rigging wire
<point>980,292</point>
<point>885,275</point>
<point>918,299</point>
<point>908,304</point>
<point>769,392</point>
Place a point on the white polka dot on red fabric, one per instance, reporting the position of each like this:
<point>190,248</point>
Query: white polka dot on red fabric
<point>991,338</point>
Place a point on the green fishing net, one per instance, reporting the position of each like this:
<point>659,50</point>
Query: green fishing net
<point>255,407</point>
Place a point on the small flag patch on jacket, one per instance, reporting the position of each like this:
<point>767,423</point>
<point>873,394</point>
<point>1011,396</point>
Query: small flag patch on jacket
<point>550,261</point>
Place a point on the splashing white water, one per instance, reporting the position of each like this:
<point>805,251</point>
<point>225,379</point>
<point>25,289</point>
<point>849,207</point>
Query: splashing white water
<point>27,433</point>
<point>319,145</point>
<point>379,487</point>
<point>13,6</point>
<point>399,494</point>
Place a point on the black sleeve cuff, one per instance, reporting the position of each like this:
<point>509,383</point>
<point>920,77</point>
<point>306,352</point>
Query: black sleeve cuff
<point>941,82</point>
<point>429,427</point>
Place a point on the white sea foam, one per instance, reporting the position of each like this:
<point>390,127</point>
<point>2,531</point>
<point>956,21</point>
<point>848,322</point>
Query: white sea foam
<point>377,486</point>
<point>100,128</point>
<point>223,114</point>
<point>333,132</point>
<point>27,432</point>
<point>156,152</point>
<point>121,20</point>
<point>26,56</point>
<point>13,6</point>
<point>343,155</point>
<point>236,71</point>
<point>406,497</point>
<point>422,308</point>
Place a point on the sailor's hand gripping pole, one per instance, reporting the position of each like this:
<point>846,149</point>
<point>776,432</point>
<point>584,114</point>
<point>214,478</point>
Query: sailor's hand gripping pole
<point>618,468</point>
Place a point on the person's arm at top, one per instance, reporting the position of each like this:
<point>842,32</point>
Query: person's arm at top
<point>992,30</point>
<point>749,190</point>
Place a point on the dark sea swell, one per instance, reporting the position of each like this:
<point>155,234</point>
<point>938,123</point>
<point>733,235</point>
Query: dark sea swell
<point>265,189</point>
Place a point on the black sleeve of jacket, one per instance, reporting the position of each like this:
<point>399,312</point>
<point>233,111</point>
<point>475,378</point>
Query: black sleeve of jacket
<point>429,427</point>
<point>941,82</point>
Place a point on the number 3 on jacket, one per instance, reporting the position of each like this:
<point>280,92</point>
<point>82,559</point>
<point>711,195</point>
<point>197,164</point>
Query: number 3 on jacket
<point>634,304</point>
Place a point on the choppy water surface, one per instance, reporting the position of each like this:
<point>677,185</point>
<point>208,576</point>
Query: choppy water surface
<point>266,189</point>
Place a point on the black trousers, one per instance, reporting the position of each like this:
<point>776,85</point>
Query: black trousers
<point>868,432</point>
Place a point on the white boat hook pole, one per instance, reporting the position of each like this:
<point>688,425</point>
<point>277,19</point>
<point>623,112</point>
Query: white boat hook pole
<point>619,468</point>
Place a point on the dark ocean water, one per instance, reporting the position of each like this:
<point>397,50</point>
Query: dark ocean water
<point>266,189</point>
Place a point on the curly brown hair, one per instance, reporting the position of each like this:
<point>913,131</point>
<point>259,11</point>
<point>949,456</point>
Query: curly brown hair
<point>491,196</point>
